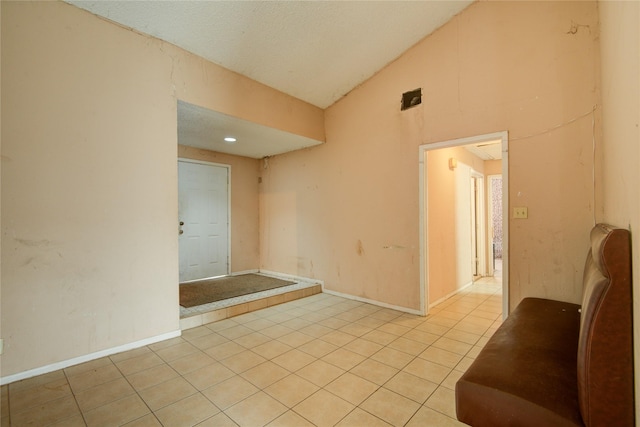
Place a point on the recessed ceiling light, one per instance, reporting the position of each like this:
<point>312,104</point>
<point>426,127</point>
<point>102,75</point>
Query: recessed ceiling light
<point>230,140</point>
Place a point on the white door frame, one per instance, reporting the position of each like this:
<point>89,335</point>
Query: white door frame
<point>423,214</point>
<point>228,168</point>
<point>480,225</point>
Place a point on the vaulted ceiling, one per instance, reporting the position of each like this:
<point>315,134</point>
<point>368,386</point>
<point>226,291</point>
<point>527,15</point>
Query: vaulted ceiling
<point>316,51</point>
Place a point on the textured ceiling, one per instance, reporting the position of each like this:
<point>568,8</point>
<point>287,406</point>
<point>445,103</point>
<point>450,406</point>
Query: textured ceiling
<point>316,51</point>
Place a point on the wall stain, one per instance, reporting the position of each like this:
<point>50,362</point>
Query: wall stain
<point>33,243</point>
<point>360,248</point>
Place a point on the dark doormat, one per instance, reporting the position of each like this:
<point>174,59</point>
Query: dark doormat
<point>207,291</point>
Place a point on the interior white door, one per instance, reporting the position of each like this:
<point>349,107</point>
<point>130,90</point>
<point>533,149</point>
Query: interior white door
<point>203,215</point>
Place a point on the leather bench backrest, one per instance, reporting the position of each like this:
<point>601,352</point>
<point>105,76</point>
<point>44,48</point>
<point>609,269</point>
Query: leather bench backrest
<point>605,347</point>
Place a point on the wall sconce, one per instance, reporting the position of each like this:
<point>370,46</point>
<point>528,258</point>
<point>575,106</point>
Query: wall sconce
<point>453,163</point>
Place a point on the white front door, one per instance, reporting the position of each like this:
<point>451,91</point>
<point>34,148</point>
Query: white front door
<point>203,215</point>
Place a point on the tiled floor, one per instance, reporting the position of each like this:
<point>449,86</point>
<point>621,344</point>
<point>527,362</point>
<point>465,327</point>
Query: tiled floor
<point>321,360</point>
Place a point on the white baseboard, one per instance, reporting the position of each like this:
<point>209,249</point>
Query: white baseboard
<point>86,358</point>
<point>449,295</point>
<point>373,302</point>
<point>239,273</point>
<point>284,276</point>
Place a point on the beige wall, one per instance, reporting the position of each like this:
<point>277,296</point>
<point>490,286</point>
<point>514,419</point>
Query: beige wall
<point>347,212</point>
<point>245,253</point>
<point>620,149</point>
<point>89,179</point>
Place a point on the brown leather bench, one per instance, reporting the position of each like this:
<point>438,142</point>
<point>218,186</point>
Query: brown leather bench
<point>553,363</point>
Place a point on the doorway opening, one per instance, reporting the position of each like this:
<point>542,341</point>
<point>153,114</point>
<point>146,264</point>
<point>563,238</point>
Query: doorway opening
<point>457,243</point>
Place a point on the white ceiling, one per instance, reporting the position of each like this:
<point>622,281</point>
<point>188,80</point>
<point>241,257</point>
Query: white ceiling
<point>317,51</point>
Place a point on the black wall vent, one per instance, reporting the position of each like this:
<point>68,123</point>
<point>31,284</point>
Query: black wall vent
<point>411,99</point>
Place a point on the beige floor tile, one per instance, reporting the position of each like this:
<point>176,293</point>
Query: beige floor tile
<point>37,395</point>
<point>452,345</point>
<point>74,421</point>
<point>295,339</point>
<point>296,323</point>
<point>139,363</point>
<point>320,372</point>
<point>338,338</point>
<point>177,351</point>
<point>408,346</point>
<point>150,377</point>
<point>187,412</point>
<point>276,331</point>
<point>360,418</point>
<point>317,348</point>
<point>411,387</point>
<point>374,371</point>
<point>73,370</point>
<point>443,400</point>
<point>343,358</point>
<point>209,376</point>
<point>460,335</point>
<point>148,420</point>
<point>166,393</point>
<point>334,323</point>
<point>230,391</point>
<point>192,362</point>
<point>439,319</point>
<point>117,413</point>
<point>257,410</point>
<point>94,377</point>
<point>243,361</point>
<point>356,329</point>
<point>294,360</point>
<point>252,340</point>
<point>222,351</point>
<point>290,419</point>
<point>102,394</point>
<point>264,374</point>
<point>291,390</point>
<point>352,388</point>
<point>235,332</point>
<point>442,357</point>
<point>221,325</point>
<point>379,337</point>
<point>32,382</point>
<point>207,341</point>
<point>194,333</point>
<point>426,417</point>
<point>422,337</point>
<point>427,370</point>
<point>259,324</point>
<point>316,330</point>
<point>392,357</point>
<point>363,347</point>
<point>432,328</point>
<point>452,378</point>
<point>219,420</point>
<point>46,413</point>
<point>323,408</point>
<point>390,406</point>
<point>464,364</point>
<point>394,329</point>
<point>271,349</point>
<point>370,322</point>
